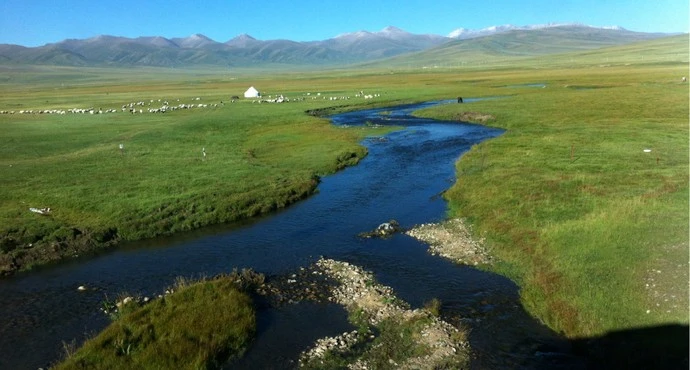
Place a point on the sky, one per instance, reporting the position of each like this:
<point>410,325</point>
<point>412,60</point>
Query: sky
<point>38,22</point>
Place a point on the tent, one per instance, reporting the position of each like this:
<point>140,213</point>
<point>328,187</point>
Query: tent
<point>252,93</point>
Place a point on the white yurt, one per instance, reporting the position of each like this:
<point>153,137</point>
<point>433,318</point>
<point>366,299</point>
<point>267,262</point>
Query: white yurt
<point>252,93</point>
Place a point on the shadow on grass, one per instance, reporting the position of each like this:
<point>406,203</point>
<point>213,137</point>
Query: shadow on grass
<point>660,347</point>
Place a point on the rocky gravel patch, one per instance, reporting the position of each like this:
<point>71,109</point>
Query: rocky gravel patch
<point>385,230</point>
<point>360,293</point>
<point>452,240</point>
<point>307,284</point>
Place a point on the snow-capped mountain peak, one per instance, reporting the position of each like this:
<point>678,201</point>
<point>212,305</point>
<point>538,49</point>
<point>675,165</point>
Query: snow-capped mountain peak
<point>392,30</point>
<point>464,33</point>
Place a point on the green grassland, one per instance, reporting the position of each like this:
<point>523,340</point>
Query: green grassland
<point>260,157</point>
<point>594,229</point>
<point>581,217</point>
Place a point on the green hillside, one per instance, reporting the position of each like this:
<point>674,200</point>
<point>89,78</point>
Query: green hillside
<point>552,48</point>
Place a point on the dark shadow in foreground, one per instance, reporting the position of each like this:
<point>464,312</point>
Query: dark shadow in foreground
<point>661,347</point>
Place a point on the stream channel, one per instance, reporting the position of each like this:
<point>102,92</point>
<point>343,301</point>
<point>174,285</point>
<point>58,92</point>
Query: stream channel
<point>401,178</point>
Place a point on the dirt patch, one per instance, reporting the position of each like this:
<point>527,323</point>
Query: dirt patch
<point>19,256</point>
<point>474,117</point>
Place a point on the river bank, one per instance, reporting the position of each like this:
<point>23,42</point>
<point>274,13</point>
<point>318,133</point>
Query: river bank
<point>584,206</point>
<point>23,251</point>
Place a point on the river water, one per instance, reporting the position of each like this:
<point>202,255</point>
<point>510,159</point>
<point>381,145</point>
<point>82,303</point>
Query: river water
<point>400,179</point>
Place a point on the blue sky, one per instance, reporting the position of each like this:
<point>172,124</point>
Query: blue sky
<point>37,22</point>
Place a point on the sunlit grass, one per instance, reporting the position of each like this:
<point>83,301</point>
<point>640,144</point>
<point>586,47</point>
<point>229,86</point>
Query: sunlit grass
<point>259,158</point>
<point>201,325</point>
<point>571,202</point>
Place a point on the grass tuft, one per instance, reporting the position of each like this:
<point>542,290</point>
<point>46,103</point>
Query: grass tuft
<point>202,324</point>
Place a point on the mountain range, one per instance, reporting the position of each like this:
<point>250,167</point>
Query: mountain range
<point>463,33</point>
<point>347,48</point>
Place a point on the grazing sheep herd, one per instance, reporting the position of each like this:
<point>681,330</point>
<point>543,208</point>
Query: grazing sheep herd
<point>152,106</point>
<point>133,108</point>
<point>283,99</point>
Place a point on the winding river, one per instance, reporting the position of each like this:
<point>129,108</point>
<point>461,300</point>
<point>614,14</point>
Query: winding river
<point>400,179</point>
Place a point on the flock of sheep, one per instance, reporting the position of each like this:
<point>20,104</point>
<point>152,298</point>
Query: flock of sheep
<point>283,99</point>
<point>141,107</point>
<point>133,108</point>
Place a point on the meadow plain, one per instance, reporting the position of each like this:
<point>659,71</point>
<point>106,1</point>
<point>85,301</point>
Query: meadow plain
<point>593,228</point>
<point>258,158</point>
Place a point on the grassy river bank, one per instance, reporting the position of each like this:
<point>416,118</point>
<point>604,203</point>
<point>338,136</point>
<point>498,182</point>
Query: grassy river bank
<point>585,197</point>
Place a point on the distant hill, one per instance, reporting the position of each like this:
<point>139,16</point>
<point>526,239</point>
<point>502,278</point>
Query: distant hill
<point>390,41</point>
<point>520,43</point>
<point>348,48</point>
<point>463,33</point>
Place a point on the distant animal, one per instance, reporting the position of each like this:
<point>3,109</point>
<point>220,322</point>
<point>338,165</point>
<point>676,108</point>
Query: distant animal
<point>235,97</point>
<point>684,79</point>
<point>459,99</point>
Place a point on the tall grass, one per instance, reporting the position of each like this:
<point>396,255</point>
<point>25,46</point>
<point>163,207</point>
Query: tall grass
<point>201,325</point>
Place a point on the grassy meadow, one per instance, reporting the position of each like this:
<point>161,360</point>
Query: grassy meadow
<point>593,229</point>
<point>259,157</point>
<point>582,217</point>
